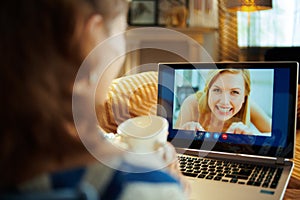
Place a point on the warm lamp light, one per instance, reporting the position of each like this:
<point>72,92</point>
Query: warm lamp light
<point>248,5</point>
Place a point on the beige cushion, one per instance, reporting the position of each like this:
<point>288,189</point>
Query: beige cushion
<point>128,97</point>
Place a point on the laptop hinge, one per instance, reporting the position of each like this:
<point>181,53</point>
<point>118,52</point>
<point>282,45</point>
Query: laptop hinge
<point>279,161</point>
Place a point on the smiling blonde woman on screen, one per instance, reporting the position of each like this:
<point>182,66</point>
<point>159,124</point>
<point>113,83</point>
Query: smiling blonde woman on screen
<point>224,106</point>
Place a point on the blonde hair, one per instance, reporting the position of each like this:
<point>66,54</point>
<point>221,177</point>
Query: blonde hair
<point>244,113</point>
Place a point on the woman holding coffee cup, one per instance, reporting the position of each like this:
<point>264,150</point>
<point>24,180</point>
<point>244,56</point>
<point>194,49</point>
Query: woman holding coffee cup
<point>43,44</point>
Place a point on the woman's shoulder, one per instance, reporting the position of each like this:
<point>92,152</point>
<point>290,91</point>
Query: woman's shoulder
<point>193,99</point>
<point>109,183</point>
<point>148,184</point>
<point>153,188</point>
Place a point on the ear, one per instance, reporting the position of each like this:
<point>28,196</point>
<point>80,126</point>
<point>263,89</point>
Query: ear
<point>95,21</point>
<point>95,28</point>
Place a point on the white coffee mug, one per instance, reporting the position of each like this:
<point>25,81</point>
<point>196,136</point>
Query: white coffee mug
<point>144,134</point>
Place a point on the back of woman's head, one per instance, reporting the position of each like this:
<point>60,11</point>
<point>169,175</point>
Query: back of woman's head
<point>39,25</point>
<point>40,55</point>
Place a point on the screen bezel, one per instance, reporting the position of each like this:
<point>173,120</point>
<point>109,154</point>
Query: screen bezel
<point>285,82</point>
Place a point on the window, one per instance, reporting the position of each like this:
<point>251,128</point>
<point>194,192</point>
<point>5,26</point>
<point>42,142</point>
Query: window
<point>279,26</point>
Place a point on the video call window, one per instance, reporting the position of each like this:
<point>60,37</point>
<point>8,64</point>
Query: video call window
<point>233,101</point>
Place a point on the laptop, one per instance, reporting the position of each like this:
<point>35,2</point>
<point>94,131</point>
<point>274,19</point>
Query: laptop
<point>233,125</point>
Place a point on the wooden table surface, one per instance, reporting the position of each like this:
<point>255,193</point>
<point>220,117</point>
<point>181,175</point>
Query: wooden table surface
<point>293,190</point>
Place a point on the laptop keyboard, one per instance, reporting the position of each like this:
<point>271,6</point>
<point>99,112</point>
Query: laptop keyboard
<point>233,172</point>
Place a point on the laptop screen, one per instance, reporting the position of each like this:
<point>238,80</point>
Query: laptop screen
<point>244,108</point>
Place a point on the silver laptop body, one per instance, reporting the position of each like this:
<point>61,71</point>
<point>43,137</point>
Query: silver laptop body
<point>223,165</point>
